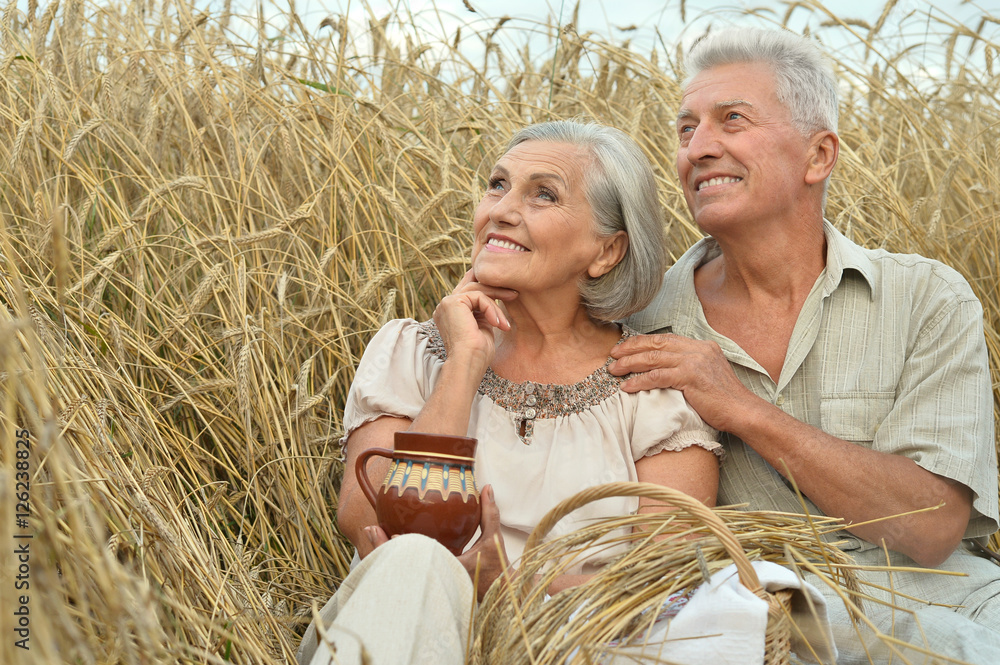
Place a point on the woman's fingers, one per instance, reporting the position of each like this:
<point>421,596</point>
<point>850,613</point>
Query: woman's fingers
<point>486,560</point>
<point>469,283</point>
<point>491,538</point>
<point>376,535</point>
<point>489,521</point>
<point>480,304</point>
<point>492,292</point>
<point>468,278</point>
<point>492,312</point>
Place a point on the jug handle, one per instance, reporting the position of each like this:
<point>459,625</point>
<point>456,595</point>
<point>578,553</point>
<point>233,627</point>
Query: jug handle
<point>359,470</point>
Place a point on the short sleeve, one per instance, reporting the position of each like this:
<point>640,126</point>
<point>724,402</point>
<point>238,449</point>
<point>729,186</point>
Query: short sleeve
<point>665,421</point>
<point>942,417</point>
<point>394,376</point>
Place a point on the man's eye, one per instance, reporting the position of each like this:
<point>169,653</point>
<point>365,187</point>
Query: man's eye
<point>495,183</point>
<point>733,115</point>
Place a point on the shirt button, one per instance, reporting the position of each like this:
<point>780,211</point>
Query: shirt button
<point>780,400</point>
<point>529,414</point>
<point>529,388</point>
<point>531,401</point>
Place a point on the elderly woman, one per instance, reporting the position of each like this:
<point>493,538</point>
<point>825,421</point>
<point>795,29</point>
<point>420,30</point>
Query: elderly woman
<point>568,236</point>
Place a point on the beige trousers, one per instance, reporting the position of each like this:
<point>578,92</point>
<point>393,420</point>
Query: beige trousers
<point>964,625</point>
<point>409,602</point>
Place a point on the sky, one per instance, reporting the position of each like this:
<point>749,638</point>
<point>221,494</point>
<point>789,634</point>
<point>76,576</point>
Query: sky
<point>653,23</point>
<point>606,16</point>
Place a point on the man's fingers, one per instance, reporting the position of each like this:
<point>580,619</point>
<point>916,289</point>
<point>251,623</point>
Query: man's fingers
<point>644,361</point>
<point>657,378</point>
<point>641,343</point>
<point>659,342</point>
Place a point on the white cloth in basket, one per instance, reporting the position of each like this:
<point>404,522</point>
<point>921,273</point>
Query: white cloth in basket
<point>724,622</point>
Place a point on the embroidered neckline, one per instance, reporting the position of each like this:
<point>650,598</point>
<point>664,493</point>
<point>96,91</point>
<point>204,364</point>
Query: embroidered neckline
<point>528,401</point>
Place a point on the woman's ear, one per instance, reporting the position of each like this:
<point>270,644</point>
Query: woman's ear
<point>823,152</point>
<point>613,250</point>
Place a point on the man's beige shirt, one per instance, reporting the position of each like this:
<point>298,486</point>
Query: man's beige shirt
<point>888,352</point>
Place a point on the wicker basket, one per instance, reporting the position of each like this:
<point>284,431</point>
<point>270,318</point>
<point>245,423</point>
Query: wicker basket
<point>511,626</point>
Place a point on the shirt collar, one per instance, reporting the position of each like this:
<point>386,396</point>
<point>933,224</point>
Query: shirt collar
<point>676,306</point>
<point>842,255</point>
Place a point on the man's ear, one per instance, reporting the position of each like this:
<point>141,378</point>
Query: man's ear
<point>824,147</point>
<point>613,250</point>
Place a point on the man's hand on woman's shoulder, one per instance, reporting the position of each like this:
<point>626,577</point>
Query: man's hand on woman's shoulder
<point>697,368</point>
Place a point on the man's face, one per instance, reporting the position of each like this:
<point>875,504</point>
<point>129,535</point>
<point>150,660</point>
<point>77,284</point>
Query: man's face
<point>740,159</point>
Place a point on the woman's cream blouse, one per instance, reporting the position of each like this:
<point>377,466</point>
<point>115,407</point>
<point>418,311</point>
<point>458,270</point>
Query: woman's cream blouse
<point>575,436</point>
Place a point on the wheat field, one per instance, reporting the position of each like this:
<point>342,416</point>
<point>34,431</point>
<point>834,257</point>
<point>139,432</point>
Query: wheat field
<point>200,230</point>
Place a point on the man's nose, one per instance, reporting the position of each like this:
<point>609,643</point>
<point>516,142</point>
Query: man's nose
<point>704,143</point>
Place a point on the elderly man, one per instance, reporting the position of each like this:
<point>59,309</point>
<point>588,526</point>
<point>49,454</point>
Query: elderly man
<point>858,374</point>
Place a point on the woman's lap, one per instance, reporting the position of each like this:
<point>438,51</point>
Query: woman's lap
<point>410,601</point>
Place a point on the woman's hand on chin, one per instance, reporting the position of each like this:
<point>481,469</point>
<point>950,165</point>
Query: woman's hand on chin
<point>468,317</point>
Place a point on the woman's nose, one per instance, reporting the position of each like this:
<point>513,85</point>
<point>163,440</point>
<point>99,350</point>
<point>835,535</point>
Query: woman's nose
<point>506,210</point>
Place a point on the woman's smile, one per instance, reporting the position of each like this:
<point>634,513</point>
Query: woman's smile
<point>500,244</point>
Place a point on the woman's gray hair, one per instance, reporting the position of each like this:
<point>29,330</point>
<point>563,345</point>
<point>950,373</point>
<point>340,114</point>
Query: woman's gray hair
<point>621,189</point>
<point>804,78</point>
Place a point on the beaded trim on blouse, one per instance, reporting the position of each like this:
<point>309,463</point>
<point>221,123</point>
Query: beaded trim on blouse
<point>529,400</point>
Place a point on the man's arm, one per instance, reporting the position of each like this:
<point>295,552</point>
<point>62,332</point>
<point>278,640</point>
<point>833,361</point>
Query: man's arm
<point>843,479</point>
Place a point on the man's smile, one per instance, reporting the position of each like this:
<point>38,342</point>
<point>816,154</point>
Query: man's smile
<point>711,182</point>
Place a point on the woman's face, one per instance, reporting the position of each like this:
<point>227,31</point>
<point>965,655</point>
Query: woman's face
<point>534,228</point>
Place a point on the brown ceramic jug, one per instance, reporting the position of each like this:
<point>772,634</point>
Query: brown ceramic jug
<point>430,488</point>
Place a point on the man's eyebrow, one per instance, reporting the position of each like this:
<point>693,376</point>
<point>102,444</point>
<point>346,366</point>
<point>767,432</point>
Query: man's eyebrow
<point>718,106</point>
<point>731,103</point>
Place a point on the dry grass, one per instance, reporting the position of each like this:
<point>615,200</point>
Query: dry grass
<point>199,233</point>
<point>623,599</point>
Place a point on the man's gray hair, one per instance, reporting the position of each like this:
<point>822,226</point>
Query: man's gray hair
<point>804,78</point>
<point>621,189</point>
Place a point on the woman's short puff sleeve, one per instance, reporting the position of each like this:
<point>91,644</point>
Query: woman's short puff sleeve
<point>665,421</point>
<point>394,377</point>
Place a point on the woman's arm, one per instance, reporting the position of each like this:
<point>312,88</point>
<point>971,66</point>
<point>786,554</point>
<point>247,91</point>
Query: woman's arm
<point>486,561</point>
<point>446,412</point>
<point>354,513</point>
<point>693,470</point>
<point>466,320</point>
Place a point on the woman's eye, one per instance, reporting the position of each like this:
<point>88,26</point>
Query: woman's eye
<point>546,194</point>
<point>495,184</point>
